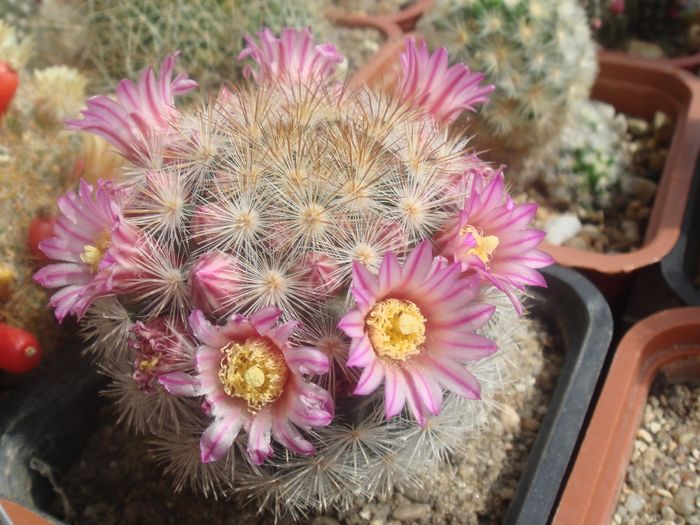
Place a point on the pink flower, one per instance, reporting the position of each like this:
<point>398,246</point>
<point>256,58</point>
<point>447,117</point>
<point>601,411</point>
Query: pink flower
<point>214,282</point>
<point>158,352</point>
<point>142,114</point>
<point>414,329</point>
<point>252,379</point>
<point>91,235</point>
<point>441,91</point>
<point>292,58</point>
<point>491,238</point>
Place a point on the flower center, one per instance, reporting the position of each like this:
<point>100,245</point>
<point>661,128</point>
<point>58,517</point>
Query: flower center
<point>396,329</point>
<point>93,253</point>
<point>485,244</point>
<point>253,371</point>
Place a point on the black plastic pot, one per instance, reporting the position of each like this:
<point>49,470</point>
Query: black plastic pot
<point>580,313</point>
<point>680,265</point>
<point>46,420</point>
<point>53,418</point>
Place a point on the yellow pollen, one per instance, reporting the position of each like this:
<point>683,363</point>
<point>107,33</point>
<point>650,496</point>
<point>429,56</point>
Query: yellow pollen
<point>485,244</point>
<point>396,329</point>
<point>146,365</point>
<point>93,253</point>
<point>253,371</point>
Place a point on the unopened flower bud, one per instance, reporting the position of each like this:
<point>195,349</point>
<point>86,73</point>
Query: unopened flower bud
<point>214,281</point>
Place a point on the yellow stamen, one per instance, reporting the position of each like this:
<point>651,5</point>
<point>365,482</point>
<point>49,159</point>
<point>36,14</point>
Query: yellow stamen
<point>253,371</point>
<point>146,365</point>
<point>396,329</point>
<point>92,254</point>
<point>485,244</point>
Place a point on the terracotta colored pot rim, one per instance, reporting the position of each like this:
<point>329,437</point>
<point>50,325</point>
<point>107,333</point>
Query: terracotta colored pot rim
<point>381,23</point>
<point>690,63</point>
<point>379,69</point>
<point>19,515</point>
<point>668,209</point>
<point>405,19</point>
<point>664,341</point>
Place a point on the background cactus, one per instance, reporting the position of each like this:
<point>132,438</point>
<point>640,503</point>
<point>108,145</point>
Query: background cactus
<point>117,39</point>
<point>36,161</point>
<point>586,167</point>
<point>538,54</point>
<point>672,24</point>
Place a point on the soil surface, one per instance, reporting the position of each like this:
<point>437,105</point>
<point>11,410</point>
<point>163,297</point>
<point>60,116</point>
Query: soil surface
<point>663,479</point>
<point>115,480</point>
<point>621,226</point>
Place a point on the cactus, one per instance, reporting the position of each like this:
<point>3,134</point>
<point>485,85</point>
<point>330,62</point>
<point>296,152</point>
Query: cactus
<point>589,162</point>
<point>18,14</point>
<point>36,162</point>
<point>117,39</point>
<point>538,54</point>
<point>298,290</point>
<point>673,24</point>
<point>608,20</point>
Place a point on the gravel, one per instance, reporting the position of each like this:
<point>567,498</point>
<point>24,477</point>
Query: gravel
<point>621,226</point>
<point>662,484</point>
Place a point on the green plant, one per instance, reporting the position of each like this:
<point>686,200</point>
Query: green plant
<point>36,163</point>
<point>588,163</point>
<point>118,38</point>
<point>539,55</point>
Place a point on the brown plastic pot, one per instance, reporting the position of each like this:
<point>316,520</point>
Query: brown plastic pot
<point>406,19</point>
<point>665,343</point>
<point>641,87</point>
<point>690,63</point>
<point>379,69</point>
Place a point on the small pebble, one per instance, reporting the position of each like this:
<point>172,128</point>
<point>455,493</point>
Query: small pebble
<point>668,513</point>
<point>634,503</point>
<point>411,511</point>
<point>561,228</point>
<point>645,436</point>
<point>324,520</point>
<point>644,49</point>
<point>684,502</point>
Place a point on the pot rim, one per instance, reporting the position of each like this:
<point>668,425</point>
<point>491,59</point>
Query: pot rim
<point>379,68</point>
<point>405,19</point>
<point>586,329</point>
<point>673,266</point>
<point>667,212</point>
<point>592,489</point>
<point>690,63</point>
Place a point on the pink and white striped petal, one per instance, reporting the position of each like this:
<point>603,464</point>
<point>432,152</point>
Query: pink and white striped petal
<point>444,92</point>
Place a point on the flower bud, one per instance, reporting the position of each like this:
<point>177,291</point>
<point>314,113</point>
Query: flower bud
<point>214,282</point>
